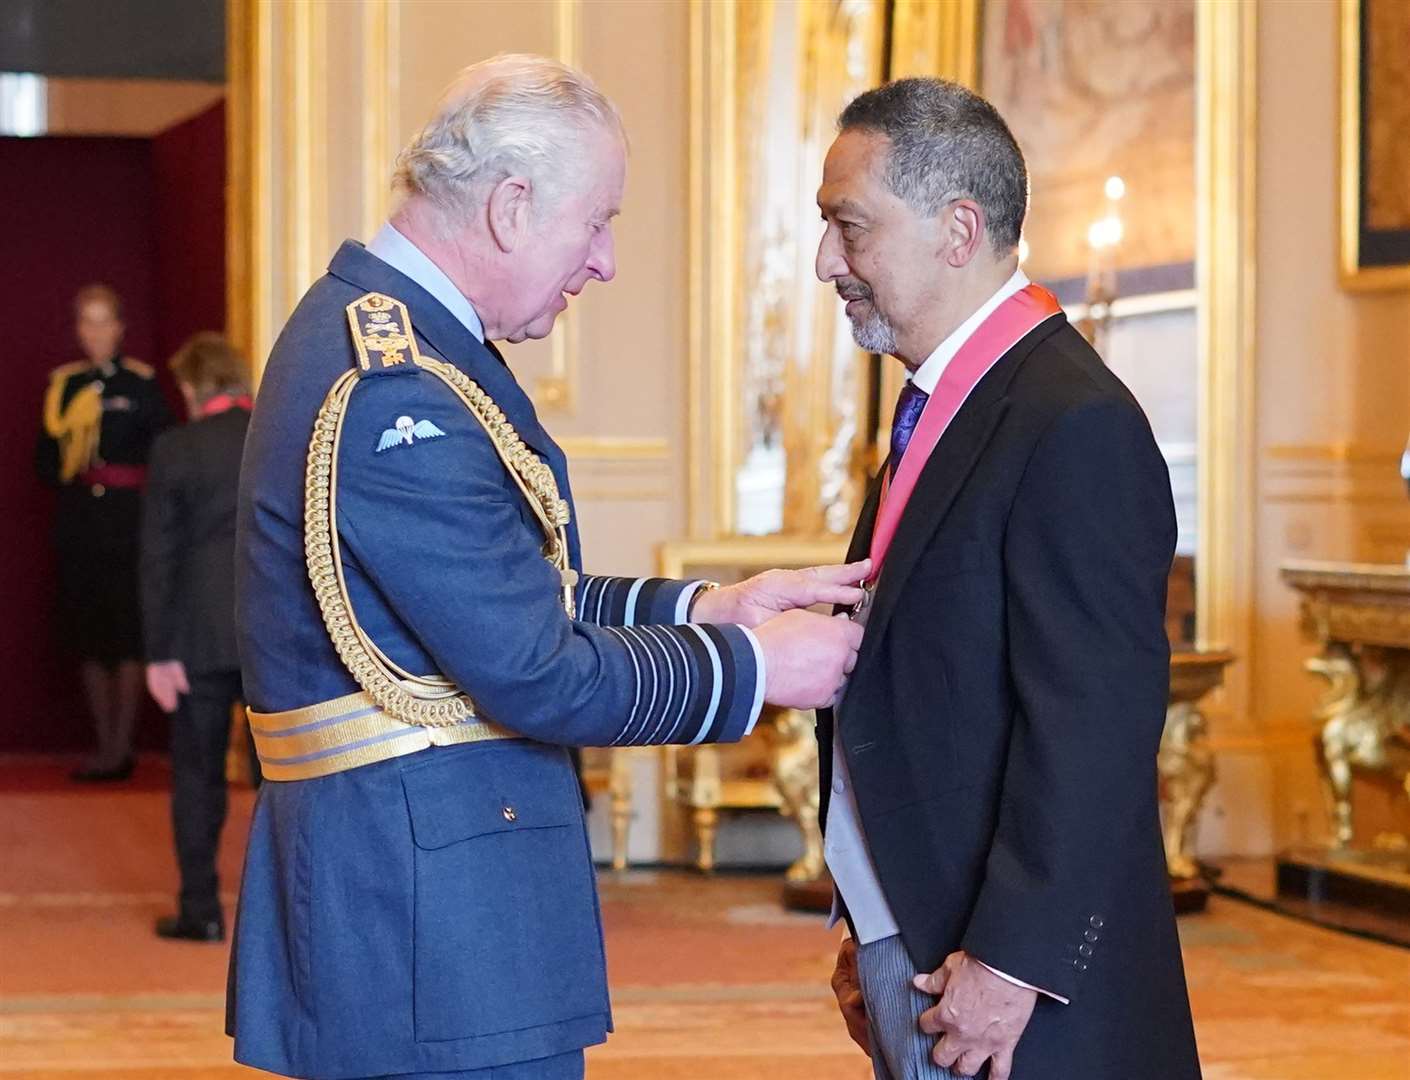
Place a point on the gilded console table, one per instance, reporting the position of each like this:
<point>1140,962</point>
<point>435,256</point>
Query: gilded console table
<point>1185,763</point>
<point>1360,615</point>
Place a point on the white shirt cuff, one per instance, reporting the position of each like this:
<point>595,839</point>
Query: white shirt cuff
<point>759,680</point>
<point>1020,982</point>
<point>687,596</point>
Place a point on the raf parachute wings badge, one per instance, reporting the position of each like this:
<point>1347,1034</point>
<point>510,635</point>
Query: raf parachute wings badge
<point>406,432</point>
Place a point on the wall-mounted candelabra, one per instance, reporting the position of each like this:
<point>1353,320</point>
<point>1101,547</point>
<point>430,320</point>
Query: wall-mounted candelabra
<point>1103,243</point>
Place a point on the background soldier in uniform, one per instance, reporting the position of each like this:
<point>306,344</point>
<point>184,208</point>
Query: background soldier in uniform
<point>100,417</point>
<point>418,895</point>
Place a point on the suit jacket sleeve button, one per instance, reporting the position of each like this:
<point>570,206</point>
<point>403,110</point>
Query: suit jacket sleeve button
<point>1091,935</point>
<point>1079,965</point>
<point>1096,921</point>
<point>1085,950</point>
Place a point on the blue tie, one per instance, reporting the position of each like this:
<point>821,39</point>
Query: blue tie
<point>909,406</point>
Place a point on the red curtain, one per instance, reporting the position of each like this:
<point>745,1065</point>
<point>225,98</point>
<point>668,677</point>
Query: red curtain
<point>147,217</point>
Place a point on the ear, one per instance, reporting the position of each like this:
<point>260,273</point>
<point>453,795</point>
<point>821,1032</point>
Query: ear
<point>509,207</point>
<point>964,233</point>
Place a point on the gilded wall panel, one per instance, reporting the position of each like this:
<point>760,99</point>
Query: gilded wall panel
<point>785,433</point>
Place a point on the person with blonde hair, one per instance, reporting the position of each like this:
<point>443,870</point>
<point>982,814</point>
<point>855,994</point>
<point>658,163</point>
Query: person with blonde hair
<point>100,416</point>
<point>188,612</point>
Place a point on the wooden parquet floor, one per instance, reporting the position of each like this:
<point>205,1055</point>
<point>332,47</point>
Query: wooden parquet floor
<point>712,980</point>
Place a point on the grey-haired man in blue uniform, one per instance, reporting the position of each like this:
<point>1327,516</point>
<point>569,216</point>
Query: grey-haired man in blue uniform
<point>419,643</point>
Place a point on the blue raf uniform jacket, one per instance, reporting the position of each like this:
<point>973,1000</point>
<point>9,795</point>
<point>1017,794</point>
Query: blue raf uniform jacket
<point>437,911</point>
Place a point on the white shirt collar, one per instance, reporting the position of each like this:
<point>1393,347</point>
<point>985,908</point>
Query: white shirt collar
<point>927,376</point>
<point>401,254</point>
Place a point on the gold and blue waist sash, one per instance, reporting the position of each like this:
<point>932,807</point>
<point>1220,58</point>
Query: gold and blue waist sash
<point>347,732</point>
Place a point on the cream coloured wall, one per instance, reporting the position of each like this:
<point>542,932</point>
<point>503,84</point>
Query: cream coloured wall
<point>1332,391</point>
<point>344,85</point>
<point>1332,369</point>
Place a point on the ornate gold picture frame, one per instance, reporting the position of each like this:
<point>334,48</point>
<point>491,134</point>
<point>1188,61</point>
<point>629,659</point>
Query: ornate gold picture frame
<point>1375,145</point>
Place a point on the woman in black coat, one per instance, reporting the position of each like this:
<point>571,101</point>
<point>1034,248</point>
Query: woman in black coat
<point>100,416</point>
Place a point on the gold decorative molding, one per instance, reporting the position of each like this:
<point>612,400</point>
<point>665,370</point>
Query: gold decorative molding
<point>558,391</point>
<point>1338,473</point>
<point>1339,452</point>
<point>604,448</point>
<point>1226,123</point>
<point>929,38</point>
<point>249,144</point>
<point>712,252</point>
<point>305,144</point>
<point>776,385</point>
<point>1353,275</point>
<point>748,553</point>
<point>568,31</point>
<point>381,71</point>
<point>238,173</point>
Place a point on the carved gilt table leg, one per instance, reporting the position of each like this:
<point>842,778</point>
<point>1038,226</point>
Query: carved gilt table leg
<point>620,789</point>
<point>1186,767</point>
<point>795,774</point>
<point>705,793</point>
<point>1365,715</point>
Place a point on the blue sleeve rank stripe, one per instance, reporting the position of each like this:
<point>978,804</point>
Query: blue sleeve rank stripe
<point>616,601</point>
<point>694,683</point>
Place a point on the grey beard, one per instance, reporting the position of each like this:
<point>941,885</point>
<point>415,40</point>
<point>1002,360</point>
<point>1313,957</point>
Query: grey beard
<point>875,334</point>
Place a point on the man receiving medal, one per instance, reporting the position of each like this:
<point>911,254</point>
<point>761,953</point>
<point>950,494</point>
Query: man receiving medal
<point>989,783</point>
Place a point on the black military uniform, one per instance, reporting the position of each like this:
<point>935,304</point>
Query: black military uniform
<point>99,423</point>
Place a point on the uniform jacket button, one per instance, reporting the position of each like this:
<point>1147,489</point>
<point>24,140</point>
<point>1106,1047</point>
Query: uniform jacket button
<point>510,814</point>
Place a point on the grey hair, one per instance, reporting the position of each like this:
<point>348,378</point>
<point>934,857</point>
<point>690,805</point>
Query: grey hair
<point>514,114</point>
<point>947,143</point>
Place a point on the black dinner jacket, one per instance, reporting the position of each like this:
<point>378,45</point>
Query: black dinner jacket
<point>1002,722</point>
<point>188,543</point>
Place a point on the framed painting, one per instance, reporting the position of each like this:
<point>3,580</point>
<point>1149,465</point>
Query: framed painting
<point>1375,144</point>
<point>1093,91</point>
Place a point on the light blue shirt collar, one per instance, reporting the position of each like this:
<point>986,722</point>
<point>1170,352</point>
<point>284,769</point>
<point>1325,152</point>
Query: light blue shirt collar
<point>401,254</point>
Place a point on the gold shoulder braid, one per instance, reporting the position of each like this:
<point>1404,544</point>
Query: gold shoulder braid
<point>77,426</point>
<point>424,701</point>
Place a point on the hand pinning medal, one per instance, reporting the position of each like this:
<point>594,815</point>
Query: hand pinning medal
<point>859,611</point>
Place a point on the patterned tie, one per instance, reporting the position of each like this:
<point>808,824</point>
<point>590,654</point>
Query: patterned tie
<point>909,406</point>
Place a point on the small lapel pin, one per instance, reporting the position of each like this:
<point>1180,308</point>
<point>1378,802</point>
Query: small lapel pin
<point>406,432</point>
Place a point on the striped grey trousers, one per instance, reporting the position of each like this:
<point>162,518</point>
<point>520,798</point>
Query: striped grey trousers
<point>899,1049</point>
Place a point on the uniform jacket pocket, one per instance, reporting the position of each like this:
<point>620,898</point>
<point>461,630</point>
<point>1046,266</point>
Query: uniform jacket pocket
<point>506,934</point>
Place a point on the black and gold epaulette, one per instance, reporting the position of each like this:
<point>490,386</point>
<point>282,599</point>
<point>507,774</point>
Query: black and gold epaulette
<point>64,372</point>
<point>138,368</point>
<point>382,336</point>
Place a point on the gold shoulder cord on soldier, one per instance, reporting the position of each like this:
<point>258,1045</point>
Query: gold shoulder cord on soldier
<point>381,331</point>
<point>77,426</point>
